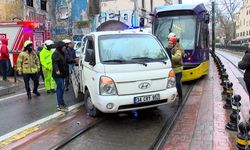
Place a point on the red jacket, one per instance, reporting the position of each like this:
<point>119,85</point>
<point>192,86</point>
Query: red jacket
<point>4,52</point>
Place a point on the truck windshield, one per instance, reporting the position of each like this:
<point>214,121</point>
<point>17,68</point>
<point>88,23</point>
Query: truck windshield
<point>183,26</point>
<point>130,48</point>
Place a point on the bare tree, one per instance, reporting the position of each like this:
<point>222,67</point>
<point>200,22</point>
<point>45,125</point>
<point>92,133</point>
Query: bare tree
<point>225,11</point>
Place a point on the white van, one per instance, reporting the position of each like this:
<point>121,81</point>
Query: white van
<point>122,71</point>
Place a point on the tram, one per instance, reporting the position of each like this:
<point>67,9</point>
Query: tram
<point>190,24</point>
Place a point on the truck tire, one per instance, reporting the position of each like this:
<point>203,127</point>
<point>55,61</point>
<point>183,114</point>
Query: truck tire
<point>90,108</point>
<point>80,97</point>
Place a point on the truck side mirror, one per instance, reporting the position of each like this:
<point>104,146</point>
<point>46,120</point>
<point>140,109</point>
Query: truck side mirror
<point>90,57</point>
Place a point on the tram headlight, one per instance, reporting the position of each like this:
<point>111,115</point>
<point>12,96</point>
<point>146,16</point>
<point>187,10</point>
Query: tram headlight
<point>171,80</point>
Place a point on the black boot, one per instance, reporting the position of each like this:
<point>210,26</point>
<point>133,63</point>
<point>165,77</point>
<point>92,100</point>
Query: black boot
<point>53,91</point>
<point>29,96</point>
<point>37,93</point>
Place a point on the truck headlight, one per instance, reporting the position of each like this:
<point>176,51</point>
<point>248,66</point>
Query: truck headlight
<point>171,80</point>
<point>107,86</point>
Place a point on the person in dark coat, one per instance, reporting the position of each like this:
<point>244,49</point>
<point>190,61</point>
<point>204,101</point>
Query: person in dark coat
<point>70,59</point>
<point>59,73</point>
<point>244,64</point>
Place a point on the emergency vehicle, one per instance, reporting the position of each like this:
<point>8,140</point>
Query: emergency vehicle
<point>17,33</point>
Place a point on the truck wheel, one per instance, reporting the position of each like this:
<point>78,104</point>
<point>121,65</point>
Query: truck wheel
<point>80,97</point>
<point>89,106</point>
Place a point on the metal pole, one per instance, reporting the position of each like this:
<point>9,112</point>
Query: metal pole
<point>136,12</point>
<point>213,28</point>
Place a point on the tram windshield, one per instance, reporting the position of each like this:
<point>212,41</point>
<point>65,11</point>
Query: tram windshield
<point>183,26</point>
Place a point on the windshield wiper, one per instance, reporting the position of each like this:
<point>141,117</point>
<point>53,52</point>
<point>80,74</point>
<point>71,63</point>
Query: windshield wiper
<point>125,61</point>
<point>115,60</point>
<point>149,59</point>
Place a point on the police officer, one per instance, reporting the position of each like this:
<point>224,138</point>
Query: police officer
<point>46,61</point>
<point>28,65</point>
<point>177,63</point>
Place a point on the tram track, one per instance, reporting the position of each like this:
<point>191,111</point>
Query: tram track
<point>160,140</point>
<point>101,124</point>
<point>76,134</point>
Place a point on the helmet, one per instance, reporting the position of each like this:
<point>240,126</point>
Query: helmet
<point>172,39</point>
<point>26,43</point>
<point>48,42</point>
<point>66,41</point>
<point>171,34</point>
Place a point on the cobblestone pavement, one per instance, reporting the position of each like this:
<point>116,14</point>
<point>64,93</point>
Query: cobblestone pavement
<point>201,124</point>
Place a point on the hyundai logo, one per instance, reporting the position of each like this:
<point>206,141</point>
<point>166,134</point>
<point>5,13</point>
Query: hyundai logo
<point>144,85</point>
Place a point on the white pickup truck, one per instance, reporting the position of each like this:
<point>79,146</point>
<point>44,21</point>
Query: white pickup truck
<point>122,71</point>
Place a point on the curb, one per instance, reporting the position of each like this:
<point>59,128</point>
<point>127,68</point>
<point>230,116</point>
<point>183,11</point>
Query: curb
<point>12,88</point>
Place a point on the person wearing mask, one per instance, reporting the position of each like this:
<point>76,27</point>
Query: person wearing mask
<point>4,57</point>
<point>28,65</point>
<point>46,61</point>
<point>244,64</point>
<point>177,63</point>
<point>59,73</point>
<point>70,56</point>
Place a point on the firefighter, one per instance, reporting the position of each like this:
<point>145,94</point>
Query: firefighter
<point>28,65</point>
<point>177,63</point>
<point>46,61</point>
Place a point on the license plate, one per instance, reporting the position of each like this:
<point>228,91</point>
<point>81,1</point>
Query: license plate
<point>146,98</point>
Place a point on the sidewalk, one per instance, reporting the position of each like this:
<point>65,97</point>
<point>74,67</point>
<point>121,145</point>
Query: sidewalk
<point>10,86</point>
<point>201,124</point>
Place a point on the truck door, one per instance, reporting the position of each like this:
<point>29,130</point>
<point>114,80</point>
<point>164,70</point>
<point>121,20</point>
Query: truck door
<point>77,74</point>
<point>89,73</point>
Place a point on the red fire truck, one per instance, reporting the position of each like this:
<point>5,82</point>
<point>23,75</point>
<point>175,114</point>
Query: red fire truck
<point>17,33</point>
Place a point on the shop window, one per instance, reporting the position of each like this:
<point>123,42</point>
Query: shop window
<point>243,33</point>
<point>43,4</point>
<point>29,3</point>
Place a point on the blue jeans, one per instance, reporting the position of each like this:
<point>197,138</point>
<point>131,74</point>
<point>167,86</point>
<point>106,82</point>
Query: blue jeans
<point>178,77</point>
<point>70,68</point>
<point>59,90</point>
<point>4,66</point>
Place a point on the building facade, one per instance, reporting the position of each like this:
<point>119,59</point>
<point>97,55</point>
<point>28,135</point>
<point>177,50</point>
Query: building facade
<point>243,21</point>
<point>11,10</point>
<point>71,19</point>
<point>39,12</point>
<point>128,12</point>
